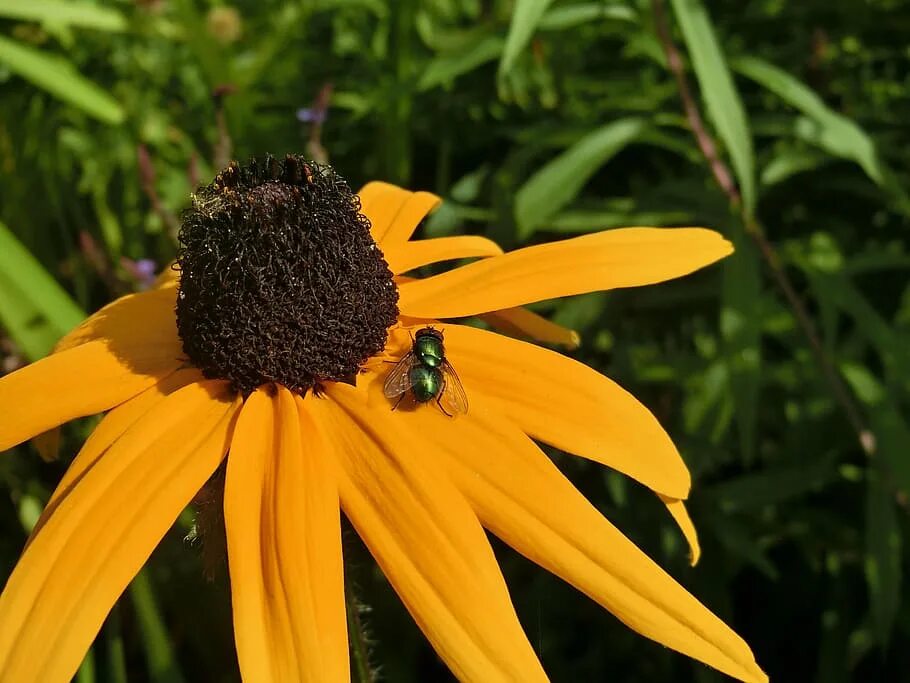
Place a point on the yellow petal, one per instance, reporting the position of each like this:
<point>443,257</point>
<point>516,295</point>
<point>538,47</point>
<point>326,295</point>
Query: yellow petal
<point>406,256</point>
<point>100,535</point>
<point>132,323</point>
<point>627,257</point>
<point>81,381</point>
<point>681,516</point>
<point>168,276</point>
<point>568,405</point>
<point>521,497</point>
<point>394,212</point>
<point>426,540</point>
<point>111,428</point>
<point>520,322</point>
<point>284,546</point>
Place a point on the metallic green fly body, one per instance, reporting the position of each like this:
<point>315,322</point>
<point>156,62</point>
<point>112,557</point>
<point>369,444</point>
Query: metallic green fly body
<point>425,372</point>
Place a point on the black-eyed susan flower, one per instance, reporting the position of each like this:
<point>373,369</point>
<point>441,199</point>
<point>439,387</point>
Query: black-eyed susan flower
<point>271,351</point>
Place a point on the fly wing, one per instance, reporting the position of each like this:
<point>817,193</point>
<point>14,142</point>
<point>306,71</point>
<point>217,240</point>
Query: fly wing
<point>454,399</point>
<point>399,379</point>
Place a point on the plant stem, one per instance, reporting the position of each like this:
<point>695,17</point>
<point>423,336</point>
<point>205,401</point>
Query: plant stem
<point>360,647</point>
<point>754,229</point>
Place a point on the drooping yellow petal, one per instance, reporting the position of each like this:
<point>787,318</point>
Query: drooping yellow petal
<point>520,322</point>
<point>102,532</point>
<point>131,323</point>
<point>405,256</point>
<point>426,540</point>
<point>681,516</point>
<point>284,546</point>
<point>111,428</point>
<point>84,380</point>
<point>566,404</point>
<point>394,212</point>
<point>523,498</point>
<point>626,257</point>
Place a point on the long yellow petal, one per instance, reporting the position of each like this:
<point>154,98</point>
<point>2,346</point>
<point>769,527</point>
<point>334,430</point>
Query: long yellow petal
<point>394,212</point>
<point>520,322</point>
<point>111,428</point>
<point>101,533</point>
<point>131,323</point>
<point>568,405</point>
<point>284,547</point>
<point>627,257</point>
<point>84,380</point>
<point>521,497</point>
<point>426,540</point>
<point>406,256</point>
<point>680,515</point>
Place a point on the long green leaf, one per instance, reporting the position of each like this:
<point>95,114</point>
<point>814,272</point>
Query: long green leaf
<point>80,14</point>
<point>162,662</point>
<point>34,309</point>
<point>826,128</point>
<point>558,182</point>
<point>721,97</point>
<point>447,67</point>
<point>60,78</point>
<point>740,326</point>
<point>525,18</point>
<point>883,555</point>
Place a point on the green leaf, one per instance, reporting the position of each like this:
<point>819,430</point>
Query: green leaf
<point>719,92</point>
<point>892,433</point>
<point>569,16</point>
<point>559,181</point>
<point>60,78</point>
<point>447,67</point>
<point>162,662</point>
<point>883,555</point>
<point>525,18</point>
<point>80,14</point>
<point>824,127</point>
<point>34,309</point>
<point>740,326</point>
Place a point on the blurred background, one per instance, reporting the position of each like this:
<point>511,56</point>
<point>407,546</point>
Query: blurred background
<point>783,374</point>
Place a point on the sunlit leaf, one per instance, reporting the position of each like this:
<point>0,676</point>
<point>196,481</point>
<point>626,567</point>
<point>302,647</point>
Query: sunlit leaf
<point>82,14</point>
<point>721,97</point>
<point>60,78</point>
<point>823,126</point>
<point>525,18</point>
<point>34,309</point>
<point>558,181</point>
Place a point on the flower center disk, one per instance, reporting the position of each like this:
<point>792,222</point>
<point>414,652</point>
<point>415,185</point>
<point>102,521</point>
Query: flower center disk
<point>280,279</point>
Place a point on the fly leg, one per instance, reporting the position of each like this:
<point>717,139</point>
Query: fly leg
<point>442,390</point>
<point>400,399</point>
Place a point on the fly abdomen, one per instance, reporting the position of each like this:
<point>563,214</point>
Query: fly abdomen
<point>426,382</point>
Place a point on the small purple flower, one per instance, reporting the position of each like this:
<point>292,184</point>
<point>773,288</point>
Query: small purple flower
<point>312,115</point>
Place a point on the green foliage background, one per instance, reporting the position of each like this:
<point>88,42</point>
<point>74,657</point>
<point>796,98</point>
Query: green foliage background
<point>536,120</point>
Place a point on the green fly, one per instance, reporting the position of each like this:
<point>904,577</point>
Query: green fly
<point>425,372</point>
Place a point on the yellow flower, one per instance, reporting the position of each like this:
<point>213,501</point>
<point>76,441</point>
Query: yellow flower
<point>418,486</point>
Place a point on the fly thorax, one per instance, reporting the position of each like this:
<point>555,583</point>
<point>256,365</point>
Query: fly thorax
<point>280,279</point>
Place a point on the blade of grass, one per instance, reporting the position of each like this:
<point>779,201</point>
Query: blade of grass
<point>60,78</point>
<point>719,93</point>
<point>558,181</point>
<point>162,663</point>
<point>525,18</point>
<point>34,309</point>
<point>80,14</point>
